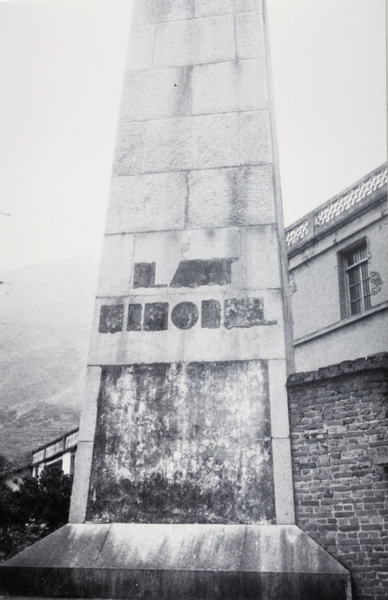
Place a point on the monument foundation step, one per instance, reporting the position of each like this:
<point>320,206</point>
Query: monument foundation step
<point>174,562</point>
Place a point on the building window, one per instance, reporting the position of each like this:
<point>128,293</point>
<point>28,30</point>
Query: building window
<point>356,274</point>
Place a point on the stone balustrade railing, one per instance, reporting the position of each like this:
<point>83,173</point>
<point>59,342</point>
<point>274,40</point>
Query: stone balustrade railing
<point>336,208</point>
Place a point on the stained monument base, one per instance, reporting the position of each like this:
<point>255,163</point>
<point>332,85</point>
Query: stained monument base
<point>164,562</point>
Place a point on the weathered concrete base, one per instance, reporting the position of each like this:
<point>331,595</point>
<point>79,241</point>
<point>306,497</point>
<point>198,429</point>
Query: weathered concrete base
<point>162,562</point>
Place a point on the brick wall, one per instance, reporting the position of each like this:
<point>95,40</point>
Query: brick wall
<point>339,417</point>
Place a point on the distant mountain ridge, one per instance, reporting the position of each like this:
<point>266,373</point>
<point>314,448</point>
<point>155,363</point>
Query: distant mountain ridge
<point>45,326</point>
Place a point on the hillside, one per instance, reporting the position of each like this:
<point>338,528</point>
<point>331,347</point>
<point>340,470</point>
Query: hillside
<point>45,324</point>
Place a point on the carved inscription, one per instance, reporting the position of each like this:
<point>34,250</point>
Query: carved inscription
<point>144,275</point>
<point>190,273</point>
<point>134,317</point>
<point>196,273</point>
<point>244,312</point>
<point>184,315</point>
<point>111,318</point>
<point>238,312</point>
<point>211,314</point>
<point>154,316</point>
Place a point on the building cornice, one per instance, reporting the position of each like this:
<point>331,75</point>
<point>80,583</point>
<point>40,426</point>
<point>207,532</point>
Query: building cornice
<point>329,216</point>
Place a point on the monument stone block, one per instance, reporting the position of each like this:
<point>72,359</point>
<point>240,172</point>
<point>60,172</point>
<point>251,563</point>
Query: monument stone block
<point>155,11</point>
<point>156,94</point>
<point>195,41</point>
<point>83,464</point>
<point>250,41</point>
<point>231,197</point>
<point>282,472</point>
<point>129,144</point>
<point>261,271</point>
<point>117,253</point>
<point>255,138</point>
<point>185,143</point>
<point>89,415</point>
<point>208,8</point>
<point>162,198</point>
<point>212,85</point>
<point>141,44</point>
<point>279,400</point>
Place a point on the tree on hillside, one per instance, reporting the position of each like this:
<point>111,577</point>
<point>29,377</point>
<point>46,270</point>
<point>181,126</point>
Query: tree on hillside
<point>5,466</point>
<point>39,507</point>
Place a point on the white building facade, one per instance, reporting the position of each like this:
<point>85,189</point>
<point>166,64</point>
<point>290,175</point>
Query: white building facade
<point>60,451</point>
<point>338,273</point>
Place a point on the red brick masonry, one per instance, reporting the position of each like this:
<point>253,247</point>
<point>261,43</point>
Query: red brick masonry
<point>339,417</point>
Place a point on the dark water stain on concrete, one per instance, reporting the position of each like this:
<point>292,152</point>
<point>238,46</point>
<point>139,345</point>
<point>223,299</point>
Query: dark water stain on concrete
<point>183,443</point>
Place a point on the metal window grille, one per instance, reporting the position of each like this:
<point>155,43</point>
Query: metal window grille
<point>357,280</point>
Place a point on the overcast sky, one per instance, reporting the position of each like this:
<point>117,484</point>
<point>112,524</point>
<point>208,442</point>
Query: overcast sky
<point>61,66</point>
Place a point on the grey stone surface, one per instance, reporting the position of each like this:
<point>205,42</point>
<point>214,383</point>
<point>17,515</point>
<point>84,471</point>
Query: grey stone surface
<point>192,143</point>
<point>282,472</point>
<point>192,547</point>
<point>129,149</point>
<point>155,94</point>
<point>229,86</point>
<point>278,398</point>
<point>250,41</point>
<point>197,41</point>
<point>259,250</point>
<point>154,11</point>
<point>140,51</point>
<point>146,203</point>
<point>255,137</point>
<point>208,8</point>
<point>246,5</point>
<point>115,267</point>
<point>79,494</point>
<point>89,405</point>
<point>223,197</point>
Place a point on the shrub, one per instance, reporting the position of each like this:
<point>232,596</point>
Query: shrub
<point>39,507</point>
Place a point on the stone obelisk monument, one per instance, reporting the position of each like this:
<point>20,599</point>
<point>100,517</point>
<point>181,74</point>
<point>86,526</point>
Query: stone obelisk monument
<point>183,482</point>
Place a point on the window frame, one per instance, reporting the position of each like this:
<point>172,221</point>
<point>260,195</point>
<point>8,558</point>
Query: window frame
<point>344,278</point>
